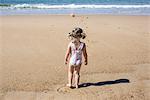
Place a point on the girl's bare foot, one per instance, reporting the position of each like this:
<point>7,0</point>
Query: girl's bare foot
<point>77,86</point>
<point>69,85</point>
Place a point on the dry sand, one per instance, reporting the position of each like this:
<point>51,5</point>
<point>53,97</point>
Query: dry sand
<point>33,48</point>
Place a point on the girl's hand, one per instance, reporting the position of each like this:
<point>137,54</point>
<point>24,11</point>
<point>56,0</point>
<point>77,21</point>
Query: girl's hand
<point>85,63</point>
<point>66,62</point>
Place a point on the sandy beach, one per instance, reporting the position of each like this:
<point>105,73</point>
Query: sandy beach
<point>33,49</point>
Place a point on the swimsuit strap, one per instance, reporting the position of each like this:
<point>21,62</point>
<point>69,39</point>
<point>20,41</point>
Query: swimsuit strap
<point>81,46</point>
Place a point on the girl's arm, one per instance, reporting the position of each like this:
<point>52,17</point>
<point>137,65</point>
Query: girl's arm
<point>67,54</point>
<point>85,55</point>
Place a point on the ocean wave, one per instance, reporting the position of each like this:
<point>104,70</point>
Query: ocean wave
<point>69,6</point>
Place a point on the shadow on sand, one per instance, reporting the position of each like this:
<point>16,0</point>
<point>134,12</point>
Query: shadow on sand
<point>104,83</point>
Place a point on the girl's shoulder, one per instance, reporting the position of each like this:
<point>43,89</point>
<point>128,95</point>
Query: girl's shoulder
<point>70,44</point>
<point>83,44</point>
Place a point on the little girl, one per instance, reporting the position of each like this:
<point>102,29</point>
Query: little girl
<point>74,55</point>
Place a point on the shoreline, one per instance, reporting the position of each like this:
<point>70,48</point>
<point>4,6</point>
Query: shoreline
<point>70,15</point>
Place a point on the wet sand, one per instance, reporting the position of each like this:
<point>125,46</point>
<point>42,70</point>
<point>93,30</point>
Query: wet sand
<point>33,48</point>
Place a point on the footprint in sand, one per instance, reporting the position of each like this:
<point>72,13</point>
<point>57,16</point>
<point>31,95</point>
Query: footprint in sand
<point>64,89</point>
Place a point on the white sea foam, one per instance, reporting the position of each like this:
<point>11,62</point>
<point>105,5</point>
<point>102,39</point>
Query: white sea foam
<point>73,6</point>
<point>79,9</point>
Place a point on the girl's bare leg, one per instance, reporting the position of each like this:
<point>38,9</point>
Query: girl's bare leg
<point>77,75</point>
<point>70,75</point>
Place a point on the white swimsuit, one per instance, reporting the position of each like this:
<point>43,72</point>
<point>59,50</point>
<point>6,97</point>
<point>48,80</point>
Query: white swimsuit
<point>76,54</point>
